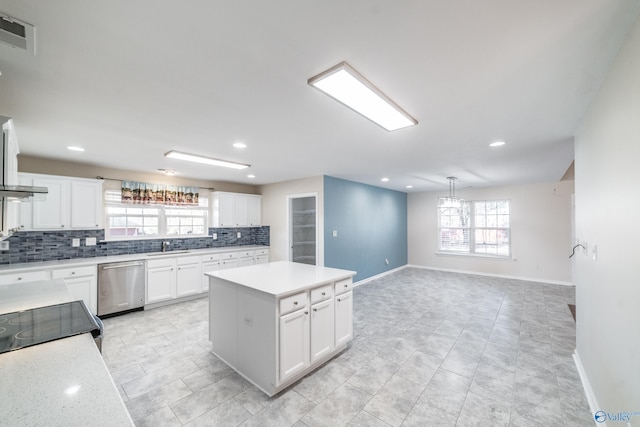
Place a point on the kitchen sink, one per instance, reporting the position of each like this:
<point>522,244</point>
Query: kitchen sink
<point>168,253</point>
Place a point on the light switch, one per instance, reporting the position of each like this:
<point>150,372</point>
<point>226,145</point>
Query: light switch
<point>239,235</point>
<point>335,233</point>
<point>75,243</point>
<point>215,236</point>
<point>90,241</point>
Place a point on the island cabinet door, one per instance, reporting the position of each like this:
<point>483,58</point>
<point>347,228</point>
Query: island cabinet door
<point>294,343</point>
<point>344,318</point>
<point>322,332</point>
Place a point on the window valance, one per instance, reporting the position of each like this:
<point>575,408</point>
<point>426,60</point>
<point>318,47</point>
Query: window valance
<point>159,194</point>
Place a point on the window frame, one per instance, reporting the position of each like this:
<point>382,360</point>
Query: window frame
<point>110,197</point>
<point>471,229</point>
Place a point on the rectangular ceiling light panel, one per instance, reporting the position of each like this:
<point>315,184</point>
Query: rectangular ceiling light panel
<point>205,160</point>
<point>347,86</point>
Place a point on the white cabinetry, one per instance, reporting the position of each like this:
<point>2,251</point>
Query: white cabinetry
<point>228,260</point>
<point>161,280</point>
<point>343,312</point>
<point>74,203</point>
<point>188,276</point>
<point>209,263</point>
<point>82,283</point>
<point>236,210</point>
<point>294,343</point>
<point>322,322</point>
<point>274,341</point>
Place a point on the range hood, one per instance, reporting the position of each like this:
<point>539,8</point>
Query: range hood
<point>9,166</point>
<point>20,191</point>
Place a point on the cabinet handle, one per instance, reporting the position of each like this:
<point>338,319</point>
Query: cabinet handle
<point>323,294</point>
<point>62,226</point>
<point>19,278</point>
<point>346,286</point>
<point>306,312</point>
<point>339,300</point>
<point>295,303</point>
<point>73,272</point>
<point>315,309</point>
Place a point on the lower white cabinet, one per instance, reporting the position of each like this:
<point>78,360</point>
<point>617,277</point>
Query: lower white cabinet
<point>161,280</point>
<point>82,283</point>
<point>188,276</point>
<point>344,318</point>
<point>322,330</point>
<point>210,262</point>
<point>294,343</point>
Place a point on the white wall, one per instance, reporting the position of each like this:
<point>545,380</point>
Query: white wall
<point>540,232</point>
<point>275,213</point>
<point>608,215</point>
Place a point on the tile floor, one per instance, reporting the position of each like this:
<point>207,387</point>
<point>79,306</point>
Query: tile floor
<point>430,349</point>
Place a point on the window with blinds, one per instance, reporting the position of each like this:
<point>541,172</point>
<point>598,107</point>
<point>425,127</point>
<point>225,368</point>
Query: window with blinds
<point>126,221</point>
<point>474,227</point>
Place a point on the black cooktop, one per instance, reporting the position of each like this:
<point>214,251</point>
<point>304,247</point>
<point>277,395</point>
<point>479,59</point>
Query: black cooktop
<point>39,325</point>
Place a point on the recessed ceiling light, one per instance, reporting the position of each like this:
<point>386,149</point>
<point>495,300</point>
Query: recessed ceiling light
<point>409,186</point>
<point>240,145</point>
<point>385,179</point>
<point>344,84</point>
<point>251,176</point>
<point>206,160</point>
<point>497,144</point>
<point>73,148</point>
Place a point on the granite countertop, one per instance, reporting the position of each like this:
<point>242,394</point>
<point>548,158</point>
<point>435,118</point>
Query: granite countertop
<point>77,262</point>
<point>281,278</point>
<point>62,382</point>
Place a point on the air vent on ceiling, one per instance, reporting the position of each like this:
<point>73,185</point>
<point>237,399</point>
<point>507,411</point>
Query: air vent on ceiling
<point>16,33</point>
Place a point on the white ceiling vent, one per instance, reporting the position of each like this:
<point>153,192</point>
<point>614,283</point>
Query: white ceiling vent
<point>16,33</point>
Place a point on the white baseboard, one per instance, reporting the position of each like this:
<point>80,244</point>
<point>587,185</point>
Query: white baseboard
<point>503,276</point>
<point>588,390</point>
<point>377,276</point>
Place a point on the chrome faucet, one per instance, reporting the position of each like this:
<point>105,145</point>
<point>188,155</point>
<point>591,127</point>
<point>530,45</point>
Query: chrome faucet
<point>164,246</point>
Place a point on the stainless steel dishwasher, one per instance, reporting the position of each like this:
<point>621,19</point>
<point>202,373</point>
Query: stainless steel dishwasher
<point>121,287</point>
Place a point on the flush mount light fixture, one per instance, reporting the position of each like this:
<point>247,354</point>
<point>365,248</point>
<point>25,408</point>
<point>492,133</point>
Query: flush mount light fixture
<point>72,148</point>
<point>240,145</point>
<point>409,186</point>
<point>169,172</point>
<point>344,84</point>
<point>251,176</point>
<point>206,160</point>
<point>497,144</point>
<point>385,179</point>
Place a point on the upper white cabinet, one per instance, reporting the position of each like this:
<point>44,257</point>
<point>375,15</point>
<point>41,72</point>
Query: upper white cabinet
<point>236,209</point>
<point>74,203</point>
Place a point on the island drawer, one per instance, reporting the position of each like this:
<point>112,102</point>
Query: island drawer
<point>321,293</point>
<point>343,286</point>
<point>292,303</point>
<point>229,255</point>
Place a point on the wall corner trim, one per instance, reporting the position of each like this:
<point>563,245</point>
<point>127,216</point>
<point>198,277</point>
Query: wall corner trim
<point>588,390</point>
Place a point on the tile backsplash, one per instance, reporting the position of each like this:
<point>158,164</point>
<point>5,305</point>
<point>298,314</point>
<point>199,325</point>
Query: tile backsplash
<point>38,246</point>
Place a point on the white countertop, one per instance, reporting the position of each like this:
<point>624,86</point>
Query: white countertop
<point>31,266</point>
<point>62,382</point>
<point>281,278</point>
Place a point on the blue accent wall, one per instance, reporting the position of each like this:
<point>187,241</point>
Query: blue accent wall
<point>372,226</point>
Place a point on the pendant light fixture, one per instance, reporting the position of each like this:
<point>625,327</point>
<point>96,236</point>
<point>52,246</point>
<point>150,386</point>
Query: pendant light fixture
<point>452,201</point>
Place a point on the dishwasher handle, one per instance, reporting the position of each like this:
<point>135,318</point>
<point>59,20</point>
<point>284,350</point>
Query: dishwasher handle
<point>123,265</point>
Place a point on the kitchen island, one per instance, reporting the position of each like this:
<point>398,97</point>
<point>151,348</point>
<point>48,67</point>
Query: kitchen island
<point>274,323</point>
<point>62,382</point>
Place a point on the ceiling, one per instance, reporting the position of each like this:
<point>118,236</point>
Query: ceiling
<point>129,81</point>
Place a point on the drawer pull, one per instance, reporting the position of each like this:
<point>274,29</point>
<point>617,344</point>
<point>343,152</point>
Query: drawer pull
<point>19,278</point>
<point>306,312</point>
<point>315,309</point>
<point>295,303</point>
<point>346,286</point>
<point>339,300</point>
<point>323,294</point>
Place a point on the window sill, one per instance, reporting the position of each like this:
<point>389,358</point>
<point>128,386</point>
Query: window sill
<point>472,255</point>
